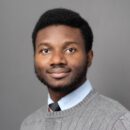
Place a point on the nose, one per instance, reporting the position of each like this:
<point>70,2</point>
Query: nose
<point>58,58</point>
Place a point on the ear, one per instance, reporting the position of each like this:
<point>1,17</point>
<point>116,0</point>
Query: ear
<point>89,57</point>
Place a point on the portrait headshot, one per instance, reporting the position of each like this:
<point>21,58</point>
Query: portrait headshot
<point>65,66</point>
<point>62,42</point>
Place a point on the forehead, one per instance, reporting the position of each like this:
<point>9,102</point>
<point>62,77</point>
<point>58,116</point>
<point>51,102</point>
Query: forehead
<point>56,33</point>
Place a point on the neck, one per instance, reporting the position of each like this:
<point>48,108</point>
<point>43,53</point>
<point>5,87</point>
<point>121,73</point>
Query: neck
<point>57,95</point>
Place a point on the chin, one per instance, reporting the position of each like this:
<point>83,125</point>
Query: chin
<point>57,86</point>
<point>60,88</point>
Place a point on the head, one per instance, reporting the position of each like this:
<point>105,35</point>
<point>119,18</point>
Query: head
<point>60,16</point>
<point>62,42</point>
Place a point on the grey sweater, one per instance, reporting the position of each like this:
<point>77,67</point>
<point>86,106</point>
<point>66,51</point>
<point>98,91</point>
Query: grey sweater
<point>95,112</point>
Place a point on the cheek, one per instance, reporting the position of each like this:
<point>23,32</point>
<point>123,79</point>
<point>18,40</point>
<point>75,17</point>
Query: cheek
<point>40,62</point>
<point>77,61</point>
<point>39,67</point>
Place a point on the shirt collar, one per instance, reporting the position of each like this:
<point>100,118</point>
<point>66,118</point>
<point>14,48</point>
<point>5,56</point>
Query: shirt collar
<point>74,97</point>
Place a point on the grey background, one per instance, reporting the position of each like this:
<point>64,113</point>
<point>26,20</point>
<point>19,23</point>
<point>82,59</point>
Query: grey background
<point>21,93</point>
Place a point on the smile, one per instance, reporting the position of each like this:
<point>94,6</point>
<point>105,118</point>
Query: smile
<point>59,73</point>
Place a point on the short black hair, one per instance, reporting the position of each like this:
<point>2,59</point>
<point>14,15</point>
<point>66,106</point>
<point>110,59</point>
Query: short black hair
<point>62,16</point>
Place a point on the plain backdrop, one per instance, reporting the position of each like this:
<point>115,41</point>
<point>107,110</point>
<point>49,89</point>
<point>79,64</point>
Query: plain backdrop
<point>20,91</point>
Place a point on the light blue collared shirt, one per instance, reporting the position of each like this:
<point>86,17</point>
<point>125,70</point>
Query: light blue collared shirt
<point>74,97</point>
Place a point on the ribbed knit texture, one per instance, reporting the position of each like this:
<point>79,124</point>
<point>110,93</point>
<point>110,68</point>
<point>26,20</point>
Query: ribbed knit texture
<point>95,112</point>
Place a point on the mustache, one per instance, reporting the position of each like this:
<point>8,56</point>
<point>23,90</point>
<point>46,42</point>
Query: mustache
<point>58,69</point>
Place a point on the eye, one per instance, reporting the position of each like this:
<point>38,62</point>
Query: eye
<point>70,50</point>
<point>45,51</point>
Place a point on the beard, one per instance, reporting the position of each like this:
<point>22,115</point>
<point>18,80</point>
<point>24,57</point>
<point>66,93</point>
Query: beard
<point>74,82</point>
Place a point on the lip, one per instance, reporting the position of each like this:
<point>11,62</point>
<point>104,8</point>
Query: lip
<point>59,75</point>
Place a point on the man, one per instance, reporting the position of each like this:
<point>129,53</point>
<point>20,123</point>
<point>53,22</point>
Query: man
<point>62,42</point>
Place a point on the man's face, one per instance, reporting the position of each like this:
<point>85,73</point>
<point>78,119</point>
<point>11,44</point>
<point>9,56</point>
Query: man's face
<point>61,60</point>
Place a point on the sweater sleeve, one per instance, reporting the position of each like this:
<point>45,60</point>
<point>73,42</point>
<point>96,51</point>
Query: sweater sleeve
<point>123,123</point>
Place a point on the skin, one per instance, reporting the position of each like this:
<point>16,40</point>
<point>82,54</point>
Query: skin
<point>60,59</point>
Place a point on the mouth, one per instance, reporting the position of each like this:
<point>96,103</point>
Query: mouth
<point>59,73</point>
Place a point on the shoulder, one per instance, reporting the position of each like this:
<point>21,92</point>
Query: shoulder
<point>110,105</point>
<point>113,114</point>
<point>34,119</point>
<point>123,123</point>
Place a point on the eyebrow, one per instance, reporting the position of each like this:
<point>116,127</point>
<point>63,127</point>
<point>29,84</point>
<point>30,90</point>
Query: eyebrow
<point>67,43</point>
<point>71,42</point>
<point>43,44</point>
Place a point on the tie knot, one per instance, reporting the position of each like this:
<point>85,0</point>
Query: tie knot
<point>54,106</point>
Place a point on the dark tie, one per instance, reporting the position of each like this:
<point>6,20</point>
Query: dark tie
<point>54,107</point>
